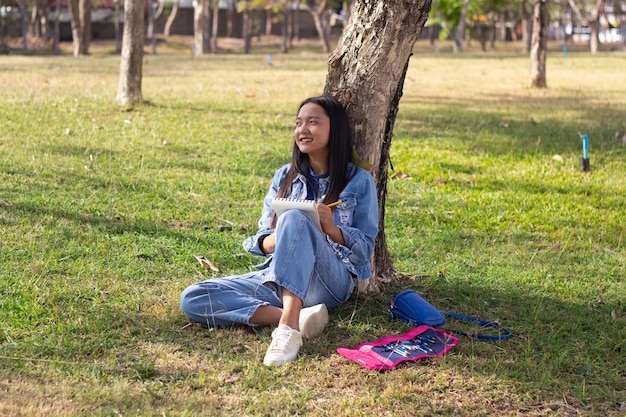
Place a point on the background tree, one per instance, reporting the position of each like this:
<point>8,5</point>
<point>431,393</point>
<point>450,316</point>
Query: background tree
<point>151,30</point>
<point>167,31</point>
<point>246,8</point>
<point>56,32</point>
<point>84,11</point>
<point>201,33</point>
<point>39,19</point>
<point>117,4</point>
<point>450,14</point>
<point>366,73</point>
<point>215,7</point>
<point>320,12</point>
<point>77,30</point>
<point>592,20</point>
<point>459,32</point>
<point>23,6</point>
<point>539,44</point>
<point>129,89</point>
<point>526,9</point>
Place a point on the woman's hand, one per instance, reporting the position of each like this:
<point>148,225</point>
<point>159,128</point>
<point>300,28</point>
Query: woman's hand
<point>269,243</point>
<point>326,220</point>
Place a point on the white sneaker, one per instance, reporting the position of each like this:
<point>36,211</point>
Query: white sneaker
<point>313,320</point>
<point>284,347</point>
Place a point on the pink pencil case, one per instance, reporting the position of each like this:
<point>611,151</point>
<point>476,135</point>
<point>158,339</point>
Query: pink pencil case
<point>386,353</point>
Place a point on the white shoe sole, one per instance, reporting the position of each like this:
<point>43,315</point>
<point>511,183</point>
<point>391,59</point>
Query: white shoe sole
<point>313,320</point>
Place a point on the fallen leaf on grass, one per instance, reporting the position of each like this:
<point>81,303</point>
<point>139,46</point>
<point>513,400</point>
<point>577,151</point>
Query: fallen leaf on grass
<point>615,317</point>
<point>206,263</point>
<point>399,175</point>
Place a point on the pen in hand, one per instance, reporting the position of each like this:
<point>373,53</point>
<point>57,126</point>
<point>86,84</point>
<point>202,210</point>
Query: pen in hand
<point>336,203</point>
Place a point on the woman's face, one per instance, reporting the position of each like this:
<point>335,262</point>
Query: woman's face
<point>312,131</point>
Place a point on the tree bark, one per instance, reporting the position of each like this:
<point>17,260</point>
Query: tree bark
<point>460,29</point>
<point>366,73</point>
<point>592,21</point>
<point>321,26</point>
<point>129,90</point>
<point>77,32</point>
<point>215,25</point>
<point>539,45</point>
<point>167,31</point>
<point>84,8</point>
<point>230,15</point>
<point>151,32</point>
<point>527,25</point>
<point>56,40</point>
<point>284,30</point>
<point>201,32</point>
<point>116,26</point>
<point>24,19</point>
<point>247,31</point>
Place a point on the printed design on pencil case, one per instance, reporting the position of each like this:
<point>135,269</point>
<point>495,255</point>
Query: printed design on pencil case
<point>388,352</point>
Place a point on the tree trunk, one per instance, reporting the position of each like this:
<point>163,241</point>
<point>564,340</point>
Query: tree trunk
<point>320,27</point>
<point>56,40</point>
<point>167,31</point>
<point>268,23</point>
<point>593,22</point>
<point>23,14</point>
<point>284,45</point>
<point>129,90</point>
<point>77,33</point>
<point>290,29</point>
<point>200,28</point>
<point>215,26</point>
<point>116,26</point>
<point>594,36</point>
<point>460,29</point>
<point>151,32</point>
<point>527,25</point>
<point>84,7</point>
<point>247,31</point>
<point>366,73</point>
<point>230,15</point>
<point>539,43</point>
<point>38,19</point>
<point>296,21</point>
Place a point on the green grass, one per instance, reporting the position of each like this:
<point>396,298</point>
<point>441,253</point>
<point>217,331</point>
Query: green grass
<point>102,209</point>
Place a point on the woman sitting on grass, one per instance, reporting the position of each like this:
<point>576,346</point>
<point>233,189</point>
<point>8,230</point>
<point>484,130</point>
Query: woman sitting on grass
<point>306,272</point>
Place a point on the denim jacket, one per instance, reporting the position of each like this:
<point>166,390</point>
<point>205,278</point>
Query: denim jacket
<point>357,217</point>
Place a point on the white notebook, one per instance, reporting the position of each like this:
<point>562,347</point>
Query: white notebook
<point>281,205</point>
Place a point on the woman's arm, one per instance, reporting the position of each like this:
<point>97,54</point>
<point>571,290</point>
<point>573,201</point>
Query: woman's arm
<point>253,243</point>
<point>328,226</point>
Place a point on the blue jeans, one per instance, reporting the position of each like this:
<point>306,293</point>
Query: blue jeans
<point>303,262</point>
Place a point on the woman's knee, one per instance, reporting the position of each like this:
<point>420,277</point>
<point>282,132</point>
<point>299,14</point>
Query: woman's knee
<point>190,298</point>
<point>296,223</point>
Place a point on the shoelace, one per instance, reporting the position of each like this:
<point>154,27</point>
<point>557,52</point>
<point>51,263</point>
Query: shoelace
<point>280,339</point>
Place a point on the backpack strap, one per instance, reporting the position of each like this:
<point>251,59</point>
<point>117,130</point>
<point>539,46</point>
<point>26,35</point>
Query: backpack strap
<point>505,334</point>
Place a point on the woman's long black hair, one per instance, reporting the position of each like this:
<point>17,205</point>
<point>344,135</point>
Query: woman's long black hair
<point>339,147</point>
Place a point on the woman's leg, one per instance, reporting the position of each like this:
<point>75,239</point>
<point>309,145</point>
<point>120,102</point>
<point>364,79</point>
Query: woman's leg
<point>306,265</point>
<point>304,271</point>
<point>290,314</point>
<point>237,299</point>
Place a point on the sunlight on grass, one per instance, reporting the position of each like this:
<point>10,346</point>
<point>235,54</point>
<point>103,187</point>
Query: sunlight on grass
<point>103,208</point>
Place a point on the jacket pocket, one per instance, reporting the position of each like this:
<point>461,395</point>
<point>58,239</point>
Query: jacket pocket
<point>344,213</point>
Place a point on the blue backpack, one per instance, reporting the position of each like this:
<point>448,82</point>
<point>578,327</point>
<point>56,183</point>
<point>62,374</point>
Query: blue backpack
<point>411,308</point>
